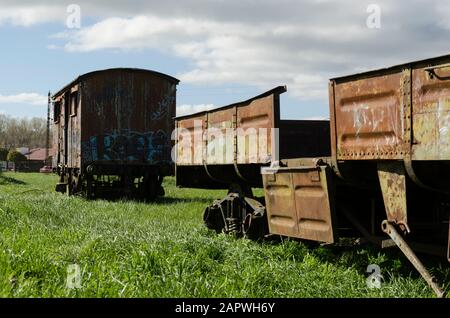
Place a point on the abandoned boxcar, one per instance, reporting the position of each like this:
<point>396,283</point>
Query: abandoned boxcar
<point>112,133</point>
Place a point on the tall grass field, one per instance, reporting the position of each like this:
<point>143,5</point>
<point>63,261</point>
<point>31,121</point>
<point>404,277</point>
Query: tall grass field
<point>162,249</point>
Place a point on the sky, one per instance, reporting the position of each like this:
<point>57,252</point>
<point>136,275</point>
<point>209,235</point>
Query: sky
<point>223,51</point>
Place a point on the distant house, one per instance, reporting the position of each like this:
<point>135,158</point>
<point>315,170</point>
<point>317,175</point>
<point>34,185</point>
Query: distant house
<point>36,160</point>
<point>38,154</point>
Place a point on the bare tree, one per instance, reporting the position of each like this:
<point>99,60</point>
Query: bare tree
<point>23,132</point>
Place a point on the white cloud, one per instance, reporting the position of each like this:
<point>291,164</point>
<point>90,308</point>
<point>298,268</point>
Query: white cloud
<point>242,55</point>
<point>300,43</point>
<point>192,109</point>
<point>31,15</point>
<point>24,98</point>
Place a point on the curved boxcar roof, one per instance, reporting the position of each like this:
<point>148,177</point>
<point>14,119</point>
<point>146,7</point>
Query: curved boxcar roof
<point>99,72</point>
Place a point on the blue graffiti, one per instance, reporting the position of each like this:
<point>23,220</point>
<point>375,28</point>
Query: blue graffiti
<point>163,107</point>
<point>149,147</point>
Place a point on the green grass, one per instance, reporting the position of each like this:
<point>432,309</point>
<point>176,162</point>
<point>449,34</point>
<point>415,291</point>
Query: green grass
<point>129,249</point>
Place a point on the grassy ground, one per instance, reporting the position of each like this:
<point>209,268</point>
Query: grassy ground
<point>129,249</point>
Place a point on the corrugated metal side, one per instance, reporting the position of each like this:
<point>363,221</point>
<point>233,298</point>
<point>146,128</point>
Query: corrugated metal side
<point>127,118</point>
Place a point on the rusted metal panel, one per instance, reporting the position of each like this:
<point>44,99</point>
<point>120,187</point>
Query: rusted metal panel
<point>220,137</point>
<point>299,202</point>
<point>368,118</point>
<point>255,121</point>
<point>190,140</point>
<point>230,148</point>
<point>400,112</point>
<point>230,132</point>
<point>431,112</point>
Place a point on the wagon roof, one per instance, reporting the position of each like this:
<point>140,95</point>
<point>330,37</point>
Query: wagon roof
<point>94,73</point>
<point>276,90</point>
<point>395,68</point>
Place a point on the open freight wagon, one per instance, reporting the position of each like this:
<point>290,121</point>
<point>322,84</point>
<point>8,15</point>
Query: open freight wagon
<point>388,174</point>
<point>228,146</point>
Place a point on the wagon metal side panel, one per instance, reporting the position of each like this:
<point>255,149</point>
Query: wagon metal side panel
<point>190,141</point>
<point>220,137</point>
<point>431,112</point>
<point>368,117</point>
<point>299,202</point>
<point>255,122</point>
<point>227,145</point>
<point>127,118</point>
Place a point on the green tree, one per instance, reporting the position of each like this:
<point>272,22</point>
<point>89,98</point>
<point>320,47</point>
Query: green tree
<point>15,156</point>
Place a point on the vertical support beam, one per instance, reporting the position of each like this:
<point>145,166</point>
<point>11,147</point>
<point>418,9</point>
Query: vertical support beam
<point>392,177</point>
<point>275,143</point>
<point>47,137</point>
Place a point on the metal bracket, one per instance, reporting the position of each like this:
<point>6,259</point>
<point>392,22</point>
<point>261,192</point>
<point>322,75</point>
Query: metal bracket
<point>390,230</point>
<point>392,178</point>
<point>432,72</point>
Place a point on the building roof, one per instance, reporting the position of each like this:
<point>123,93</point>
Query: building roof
<point>38,154</point>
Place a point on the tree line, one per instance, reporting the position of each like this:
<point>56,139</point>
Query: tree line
<point>22,132</point>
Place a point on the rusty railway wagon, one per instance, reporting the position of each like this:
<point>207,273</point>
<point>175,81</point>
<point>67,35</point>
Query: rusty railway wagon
<point>112,133</point>
<point>226,148</point>
<point>386,179</point>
